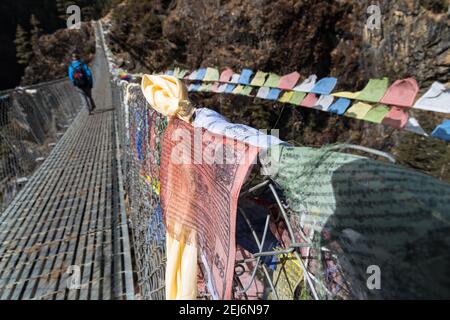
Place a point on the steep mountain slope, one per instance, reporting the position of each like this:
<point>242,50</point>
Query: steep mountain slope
<point>322,37</point>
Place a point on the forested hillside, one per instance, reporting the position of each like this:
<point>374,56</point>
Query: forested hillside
<point>49,16</point>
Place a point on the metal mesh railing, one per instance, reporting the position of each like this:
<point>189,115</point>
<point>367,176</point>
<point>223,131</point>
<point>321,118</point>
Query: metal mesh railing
<point>140,130</point>
<point>31,121</point>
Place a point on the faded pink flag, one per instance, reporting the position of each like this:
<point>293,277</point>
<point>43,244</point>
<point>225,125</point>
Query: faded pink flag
<point>396,118</point>
<point>226,75</point>
<point>310,100</point>
<point>199,194</point>
<point>215,87</point>
<point>401,93</point>
<point>287,82</point>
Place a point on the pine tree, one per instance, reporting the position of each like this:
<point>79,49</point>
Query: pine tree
<point>36,32</point>
<point>23,52</point>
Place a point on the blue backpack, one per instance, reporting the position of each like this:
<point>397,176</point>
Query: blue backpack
<point>80,78</point>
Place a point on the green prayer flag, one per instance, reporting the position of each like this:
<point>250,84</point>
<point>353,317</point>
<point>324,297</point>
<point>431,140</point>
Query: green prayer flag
<point>182,73</point>
<point>297,97</point>
<point>259,79</point>
<point>358,110</point>
<point>377,114</point>
<point>374,90</point>
<point>272,81</point>
<point>247,90</point>
<point>286,97</point>
<point>205,87</point>
<point>212,74</point>
<point>238,89</point>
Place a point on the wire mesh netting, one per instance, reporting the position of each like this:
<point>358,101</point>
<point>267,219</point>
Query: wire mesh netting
<point>140,130</point>
<point>31,121</point>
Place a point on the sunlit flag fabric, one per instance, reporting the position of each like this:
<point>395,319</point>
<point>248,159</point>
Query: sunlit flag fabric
<point>436,99</point>
<point>286,97</point>
<point>288,81</point>
<point>358,110</point>
<point>297,97</point>
<point>259,79</point>
<point>414,126</point>
<point>263,92</point>
<point>272,81</point>
<point>346,94</point>
<point>226,75</point>
<point>369,212</point>
<point>396,118</point>
<point>307,85</point>
<point>235,78</point>
<point>165,94</point>
<point>200,74</point>
<point>340,106</point>
<point>401,93</point>
<point>274,94</point>
<point>246,74</point>
<point>215,87</point>
<point>199,200</point>
<point>182,74</point>
<point>324,86</point>
<point>211,74</point>
<point>324,102</point>
<point>193,87</point>
<point>222,88</point>
<point>216,123</point>
<point>205,87</point>
<point>181,267</point>
<point>442,131</point>
<point>374,90</point>
<point>247,91</point>
<point>230,88</point>
<point>193,75</point>
<point>238,89</point>
<point>377,114</point>
<point>310,100</point>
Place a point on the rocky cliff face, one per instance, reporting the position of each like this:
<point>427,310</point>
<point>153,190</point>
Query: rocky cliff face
<point>310,36</point>
<point>414,40</point>
<point>324,37</point>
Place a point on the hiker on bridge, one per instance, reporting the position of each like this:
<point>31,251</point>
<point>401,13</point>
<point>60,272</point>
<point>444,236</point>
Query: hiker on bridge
<point>81,77</point>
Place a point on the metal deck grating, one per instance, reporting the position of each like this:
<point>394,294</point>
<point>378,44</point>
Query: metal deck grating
<point>71,213</point>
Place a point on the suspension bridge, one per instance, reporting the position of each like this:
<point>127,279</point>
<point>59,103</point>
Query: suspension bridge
<point>66,229</point>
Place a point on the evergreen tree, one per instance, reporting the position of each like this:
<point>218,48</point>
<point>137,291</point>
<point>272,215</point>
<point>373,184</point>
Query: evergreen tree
<point>36,31</point>
<point>23,52</point>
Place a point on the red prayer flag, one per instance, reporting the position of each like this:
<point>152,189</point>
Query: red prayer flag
<point>199,191</point>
